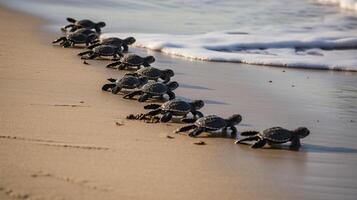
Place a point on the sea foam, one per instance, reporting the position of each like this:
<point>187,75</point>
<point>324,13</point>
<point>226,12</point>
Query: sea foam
<point>313,50</point>
<point>345,4</point>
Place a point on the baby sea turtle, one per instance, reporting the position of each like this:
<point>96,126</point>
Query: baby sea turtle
<point>114,42</point>
<point>132,60</point>
<point>212,123</point>
<point>127,82</point>
<point>276,135</point>
<point>75,38</point>
<point>153,73</point>
<point>102,50</point>
<point>154,89</point>
<point>85,23</point>
<point>175,107</point>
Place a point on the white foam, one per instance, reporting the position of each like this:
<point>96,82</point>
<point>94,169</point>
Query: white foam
<point>345,4</point>
<point>284,49</point>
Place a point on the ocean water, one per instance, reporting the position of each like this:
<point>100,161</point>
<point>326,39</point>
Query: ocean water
<point>312,34</point>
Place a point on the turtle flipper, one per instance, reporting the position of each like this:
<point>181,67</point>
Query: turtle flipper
<point>132,94</point>
<point>116,89</point>
<point>252,138</point>
<point>112,80</point>
<point>152,113</point>
<point>69,19</point>
<point>112,65</point>
<point>171,95</point>
<point>197,114</point>
<point>185,128</point>
<point>152,106</point>
<point>166,117</point>
<point>249,133</point>
<point>196,132</point>
<point>144,97</point>
<point>145,64</point>
<point>234,131</point>
<point>93,56</point>
<point>188,120</point>
<point>84,53</point>
<point>61,39</point>
<point>93,45</point>
<point>295,143</point>
<point>259,144</point>
<point>125,48</point>
<point>107,86</point>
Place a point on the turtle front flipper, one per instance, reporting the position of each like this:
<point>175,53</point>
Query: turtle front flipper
<point>93,56</point>
<point>112,65</point>
<point>116,89</point>
<point>196,132</point>
<point>252,138</point>
<point>125,48</point>
<point>295,143</point>
<point>249,133</point>
<point>185,128</point>
<point>69,19</point>
<point>145,64</point>
<point>188,120</point>
<point>112,80</point>
<point>197,114</point>
<point>234,131</point>
<point>61,39</point>
<point>171,95</point>
<point>66,27</point>
<point>93,45</point>
<point>152,106</point>
<point>132,94</point>
<point>166,117</point>
<point>84,53</point>
<point>259,144</point>
<point>152,113</point>
<point>107,86</point>
<point>144,97</point>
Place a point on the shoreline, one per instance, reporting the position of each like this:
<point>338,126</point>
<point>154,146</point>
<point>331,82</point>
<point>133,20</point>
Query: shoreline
<point>65,152</point>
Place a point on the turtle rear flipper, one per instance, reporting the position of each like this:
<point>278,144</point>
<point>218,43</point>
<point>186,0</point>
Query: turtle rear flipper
<point>152,106</point>
<point>107,86</point>
<point>69,19</point>
<point>249,133</point>
<point>259,144</point>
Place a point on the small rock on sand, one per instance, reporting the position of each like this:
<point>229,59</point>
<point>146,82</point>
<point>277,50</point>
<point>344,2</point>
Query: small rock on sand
<point>200,143</point>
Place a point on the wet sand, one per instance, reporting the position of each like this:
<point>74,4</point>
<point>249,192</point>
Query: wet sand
<point>59,138</point>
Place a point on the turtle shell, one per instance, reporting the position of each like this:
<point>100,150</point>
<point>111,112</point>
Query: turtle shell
<point>149,72</point>
<point>129,82</point>
<point>155,88</point>
<point>211,122</point>
<point>104,50</point>
<point>77,37</point>
<point>276,135</point>
<point>85,31</point>
<point>112,41</point>
<point>179,107</point>
<point>86,23</point>
<point>132,59</point>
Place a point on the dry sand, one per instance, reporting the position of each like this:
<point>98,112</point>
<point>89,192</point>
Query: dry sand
<point>59,139</point>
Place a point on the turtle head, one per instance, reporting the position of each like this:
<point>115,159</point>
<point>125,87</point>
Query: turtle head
<point>197,104</point>
<point>302,132</point>
<point>235,119</point>
<point>172,85</point>
<point>143,80</point>
<point>130,40</point>
<point>168,72</point>
<point>149,59</point>
<point>101,24</point>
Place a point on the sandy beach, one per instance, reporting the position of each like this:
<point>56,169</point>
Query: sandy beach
<point>63,138</point>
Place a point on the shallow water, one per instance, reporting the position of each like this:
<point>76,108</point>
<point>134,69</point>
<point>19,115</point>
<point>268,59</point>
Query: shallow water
<point>285,33</point>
